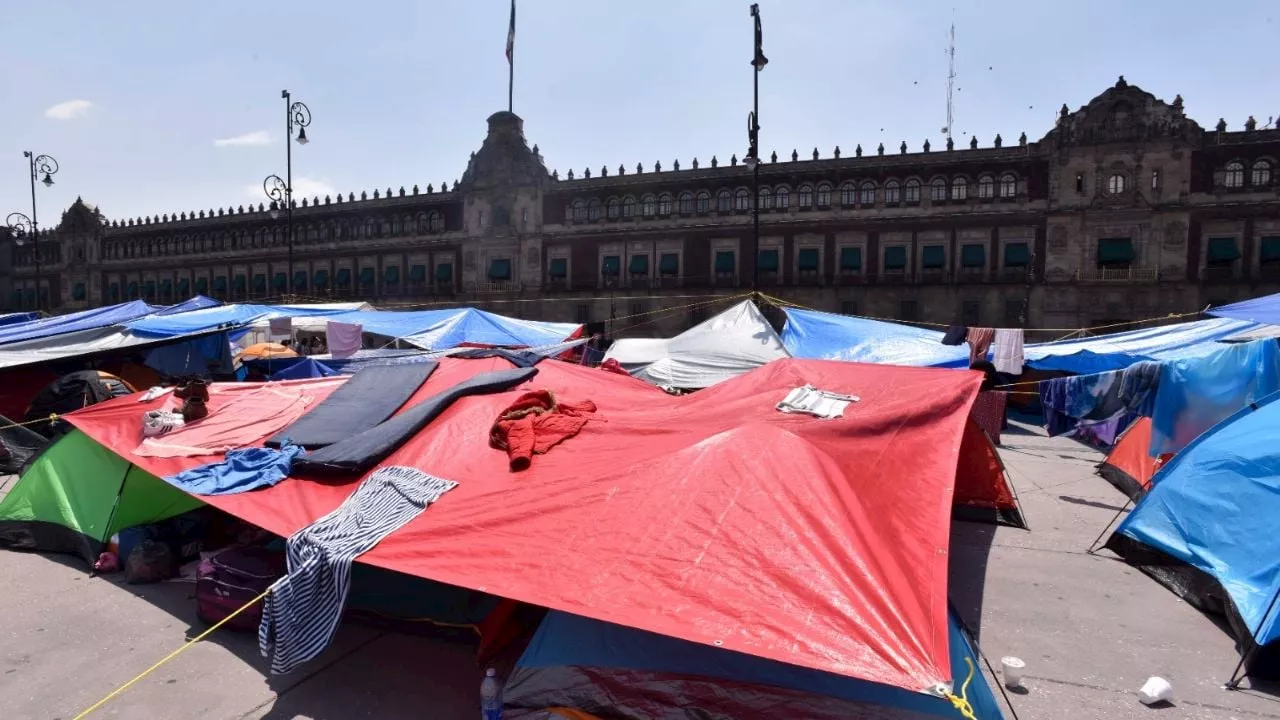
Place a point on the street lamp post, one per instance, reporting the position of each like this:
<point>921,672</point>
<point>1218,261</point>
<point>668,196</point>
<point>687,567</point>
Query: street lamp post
<point>281,191</point>
<point>24,227</point>
<point>758,61</point>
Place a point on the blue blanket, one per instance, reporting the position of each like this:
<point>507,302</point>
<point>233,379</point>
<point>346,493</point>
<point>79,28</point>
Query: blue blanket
<point>241,471</point>
<point>1197,393</point>
<point>367,399</point>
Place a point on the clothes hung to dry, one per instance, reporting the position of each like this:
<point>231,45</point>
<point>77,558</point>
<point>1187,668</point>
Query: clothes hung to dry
<point>955,335</point>
<point>1138,385</point>
<point>241,471</point>
<point>303,609</point>
<point>1088,407</point>
<point>979,339</point>
<point>536,422</point>
<point>1007,352</point>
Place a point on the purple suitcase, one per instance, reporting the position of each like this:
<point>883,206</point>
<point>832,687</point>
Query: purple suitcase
<point>233,577</point>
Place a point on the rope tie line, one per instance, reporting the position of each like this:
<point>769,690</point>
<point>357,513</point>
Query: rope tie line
<point>961,701</point>
<point>51,418</point>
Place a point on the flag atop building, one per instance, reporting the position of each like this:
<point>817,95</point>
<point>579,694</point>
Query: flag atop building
<point>511,35</point>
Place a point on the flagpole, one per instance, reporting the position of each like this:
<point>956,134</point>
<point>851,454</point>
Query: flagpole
<point>511,59</point>
<point>511,82</point>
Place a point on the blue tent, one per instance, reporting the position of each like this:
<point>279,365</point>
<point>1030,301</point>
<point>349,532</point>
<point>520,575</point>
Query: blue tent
<point>1117,351</point>
<point>221,317</point>
<point>18,317</point>
<point>1265,309</point>
<point>199,302</point>
<point>72,322</point>
<point>616,671</point>
<point>826,336</point>
<point>304,368</point>
<point>1207,528</point>
<point>449,328</point>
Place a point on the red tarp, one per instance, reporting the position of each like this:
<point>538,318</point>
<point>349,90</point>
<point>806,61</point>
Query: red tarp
<point>710,517</point>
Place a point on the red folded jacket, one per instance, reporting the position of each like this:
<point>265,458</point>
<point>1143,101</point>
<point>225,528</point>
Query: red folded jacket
<point>534,424</point>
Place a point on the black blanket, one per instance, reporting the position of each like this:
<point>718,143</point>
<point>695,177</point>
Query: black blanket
<point>367,399</point>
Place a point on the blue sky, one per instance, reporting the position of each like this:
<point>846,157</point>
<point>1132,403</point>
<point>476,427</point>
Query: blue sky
<point>131,97</point>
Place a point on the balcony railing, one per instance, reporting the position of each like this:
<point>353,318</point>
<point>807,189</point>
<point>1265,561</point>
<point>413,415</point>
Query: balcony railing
<point>1121,274</point>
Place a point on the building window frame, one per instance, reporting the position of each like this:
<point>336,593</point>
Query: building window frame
<point>628,207</point>
<point>724,200</point>
<point>848,195</point>
<point>938,190</point>
<point>806,196</point>
<point>741,200</point>
<point>1260,174</point>
<point>892,192</point>
<point>1233,175</point>
<point>612,208</point>
<point>703,203</point>
<point>1117,183</point>
<point>986,187</point>
<point>782,198</point>
<point>664,205</point>
<point>960,189</point>
<point>911,192</point>
<point>823,196</point>
<point>1008,185</point>
<point>648,205</point>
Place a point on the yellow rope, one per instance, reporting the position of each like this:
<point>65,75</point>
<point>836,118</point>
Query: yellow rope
<point>961,702</point>
<point>51,418</point>
<point>170,656</point>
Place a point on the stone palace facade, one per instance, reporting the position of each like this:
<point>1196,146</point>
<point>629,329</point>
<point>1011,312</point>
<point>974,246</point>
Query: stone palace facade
<point>1126,209</point>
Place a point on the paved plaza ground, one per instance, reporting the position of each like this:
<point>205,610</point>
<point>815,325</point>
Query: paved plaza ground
<point>1090,628</point>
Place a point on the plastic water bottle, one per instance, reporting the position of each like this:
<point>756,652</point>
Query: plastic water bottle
<point>490,696</point>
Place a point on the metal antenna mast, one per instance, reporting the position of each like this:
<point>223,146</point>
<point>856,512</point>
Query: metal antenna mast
<point>951,78</point>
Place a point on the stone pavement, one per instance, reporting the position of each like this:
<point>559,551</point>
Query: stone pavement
<point>1090,628</point>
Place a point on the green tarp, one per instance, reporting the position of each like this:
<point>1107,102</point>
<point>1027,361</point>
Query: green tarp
<point>78,494</point>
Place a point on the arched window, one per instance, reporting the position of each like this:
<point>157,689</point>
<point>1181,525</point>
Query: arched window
<point>724,201</point>
<point>579,210</point>
<point>806,197</point>
<point>593,210</point>
<point>1008,185</point>
<point>959,189</point>
<point>664,204</point>
<point>892,193</point>
<point>704,202</point>
<point>986,187</point>
<point>766,199</point>
<point>824,195</point>
<point>648,205</point>
<point>1115,184</point>
<point>742,200</point>
<point>848,195</point>
<point>1234,175</point>
<point>867,195</point>
<point>782,198</point>
<point>1261,174</point>
<point>628,207</point>
<point>686,203</point>
<point>912,191</point>
<point>612,209</point>
<point>938,190</point>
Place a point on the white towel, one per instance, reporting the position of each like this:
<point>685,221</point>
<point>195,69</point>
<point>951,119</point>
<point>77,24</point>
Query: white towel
<point>1008,350</point>
<point>820,403</point>
<point>343,339</point>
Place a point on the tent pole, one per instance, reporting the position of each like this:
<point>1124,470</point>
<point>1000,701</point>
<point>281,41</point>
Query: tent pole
<point>1236,677</point>
<point>1093,545</point>
<point>1004,470</point>
<point>112,517</point>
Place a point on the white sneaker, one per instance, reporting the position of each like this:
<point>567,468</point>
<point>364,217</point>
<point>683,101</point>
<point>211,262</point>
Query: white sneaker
<point>158,422</point>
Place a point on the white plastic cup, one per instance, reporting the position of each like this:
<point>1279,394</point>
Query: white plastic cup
<point>1013,668</point>
<point>1155,690</point>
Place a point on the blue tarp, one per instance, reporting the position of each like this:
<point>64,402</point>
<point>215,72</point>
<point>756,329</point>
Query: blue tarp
<point>219,317</point>
<point>1215,506</point>
<point>1197,393</point>
<point>349,365</point>
<point>83,320</point>
<point>304,368</point>
<point>445,329</point>
<point>1265,309</point>
<point>826,336</point>
<point>199,302</point>
<point>197,357</point>
<point>18,317</point>
<point>1117,351</point>
<point>565,640</point>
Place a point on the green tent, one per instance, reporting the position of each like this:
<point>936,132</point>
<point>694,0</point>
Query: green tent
<point>78,494</point>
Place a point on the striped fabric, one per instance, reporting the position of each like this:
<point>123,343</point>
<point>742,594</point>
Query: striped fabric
<point>302,612</point>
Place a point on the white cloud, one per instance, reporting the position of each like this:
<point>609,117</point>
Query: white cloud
<point>303,187</point>
<point>255,138</point>
<point>68,110</point>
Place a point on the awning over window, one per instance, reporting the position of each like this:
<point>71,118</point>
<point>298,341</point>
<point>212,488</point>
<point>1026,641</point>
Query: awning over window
<point>973,256</point>
<point>1223,249</point>
<point>280,281</point>
<point>1270,249</point>
<point>166,287</point>
<point>300,280</point>
<point>1118,251</point>
<point>322,279</point>
<point>850,258</point>
<point>184,286</point>
<point>149,288</point>
<point>113,291</point>
<point>259,282</point>
<point>417,273</point>
<point>367,275</point>
<point>808,259</point>
<point>78,292</point>
<point>444,273</point>
<point>768,261</point>
<point>724,261</point>
<point>669,264</point>
<point>895,258</point>
<point>342,278</point>
<point>559,268</point>
<point>202,286</point>
<point>933,257</point>
<point>639,265</point>
<point>220,284</point>
<point>610,265</point>
<point>240,282</point>
<point>1017,254</point>
<point>498,269</point>
<point>391,275</point>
